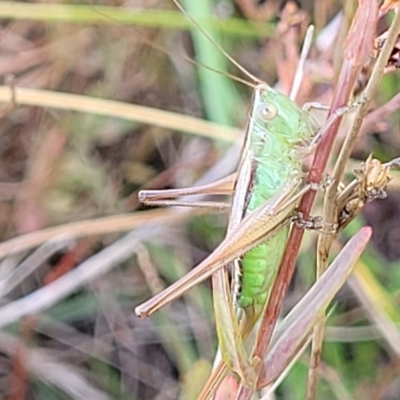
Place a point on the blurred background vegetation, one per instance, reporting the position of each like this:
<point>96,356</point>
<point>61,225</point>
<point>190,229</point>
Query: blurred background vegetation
<point>68,160</point>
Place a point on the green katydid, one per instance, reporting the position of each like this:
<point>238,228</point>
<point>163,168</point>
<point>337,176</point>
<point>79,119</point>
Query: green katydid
<point>267,184</point>
<point>268,178</point>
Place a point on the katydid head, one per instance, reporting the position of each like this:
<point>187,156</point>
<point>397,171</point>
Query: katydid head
<point>277,114</point>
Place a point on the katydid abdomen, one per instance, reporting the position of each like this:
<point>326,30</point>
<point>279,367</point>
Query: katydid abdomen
<point>258,270</point>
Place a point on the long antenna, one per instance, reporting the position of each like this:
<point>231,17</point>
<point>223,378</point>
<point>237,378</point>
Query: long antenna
<point>185,58</point>
<point>217,45</point>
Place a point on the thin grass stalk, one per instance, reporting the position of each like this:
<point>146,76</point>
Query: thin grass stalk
<point>118,109</point>
<point>98,14</point>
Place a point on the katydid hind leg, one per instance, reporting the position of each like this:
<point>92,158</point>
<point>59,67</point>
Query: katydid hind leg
<point>255,228</point>
<point>223,186</point>
<point>218,205</point>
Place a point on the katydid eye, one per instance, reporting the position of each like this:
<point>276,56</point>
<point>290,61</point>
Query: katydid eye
<point>267,111</point>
